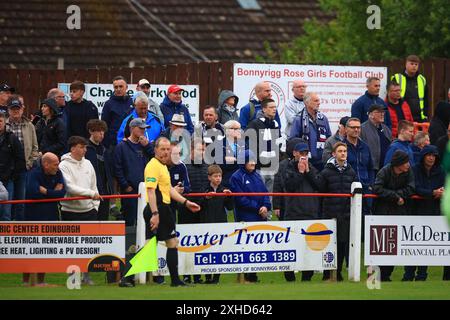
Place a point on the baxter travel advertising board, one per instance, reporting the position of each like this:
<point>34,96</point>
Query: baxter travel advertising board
<point>337,86</point>
<point>253,247</point>
<point>99,93</point>
<point>407,241</point>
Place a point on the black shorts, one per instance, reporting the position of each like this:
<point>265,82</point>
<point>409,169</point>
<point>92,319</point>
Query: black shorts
<point>166,227</point>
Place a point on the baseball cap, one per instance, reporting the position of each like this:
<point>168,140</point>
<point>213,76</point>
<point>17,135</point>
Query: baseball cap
<point>14,103</point>
<point>300,147</point>
<point>174,88</point>
<point>143,81</point>
<point>374,107</point>
<point>5,87</point>
<point>138,122</point>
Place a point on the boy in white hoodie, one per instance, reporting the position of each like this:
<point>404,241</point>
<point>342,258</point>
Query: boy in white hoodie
<point>79,175</point>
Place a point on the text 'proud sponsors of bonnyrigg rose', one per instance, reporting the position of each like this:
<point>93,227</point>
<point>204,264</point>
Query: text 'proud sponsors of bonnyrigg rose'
<point>407,240</point>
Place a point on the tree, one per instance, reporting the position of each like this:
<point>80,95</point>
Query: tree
<point>407,27</point>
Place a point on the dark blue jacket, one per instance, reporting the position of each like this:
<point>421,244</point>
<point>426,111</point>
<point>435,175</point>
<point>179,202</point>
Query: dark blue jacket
<point>244,115</point>
<point>104,187</point>
<point>361,106</point>
<point>229,168</point>
<point>114,111</point>
<point>76,116</point>
<point>427,182</point>
<point>129,165</point>
<point>47,211</point>
<point>169,108</point>
<point>416,152</point>
<point>247,208</point>
<point>314,133</point>
<point>360,159</point>
<point>405,146</point>
<point>179,173</point>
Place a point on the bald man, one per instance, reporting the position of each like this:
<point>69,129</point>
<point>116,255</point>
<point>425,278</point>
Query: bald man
<point>44,182</point>
<point>294,105</point>
<point>253,109</point>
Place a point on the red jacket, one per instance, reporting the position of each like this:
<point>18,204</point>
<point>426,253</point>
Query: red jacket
<point>394,119</point>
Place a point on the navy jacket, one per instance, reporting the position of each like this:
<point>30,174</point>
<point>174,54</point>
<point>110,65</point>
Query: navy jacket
<point>244,115</point>
<point>405,146</point>
<point>247,208</point>
<point>104,187</point>
<point>179,173</point>
<point>427,182</point>
<point>77,116</point>
<point>169,108</point>
<point>361,106</point>
<point>314,133</point>
<point>360,159</point>
<point>47,211</point>
<point>114,111</point>
<point>129,165</point>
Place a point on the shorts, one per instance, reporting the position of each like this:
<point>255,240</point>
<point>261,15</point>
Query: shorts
<point>166,228</point>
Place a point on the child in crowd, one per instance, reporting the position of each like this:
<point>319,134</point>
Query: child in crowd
<point>214,209</point>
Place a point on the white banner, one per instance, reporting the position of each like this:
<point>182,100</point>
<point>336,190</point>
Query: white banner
<point>407,241</point>
<point>254,247</point>
<point>337,86</point>
<point>54,246</point>
<point>99,93</point>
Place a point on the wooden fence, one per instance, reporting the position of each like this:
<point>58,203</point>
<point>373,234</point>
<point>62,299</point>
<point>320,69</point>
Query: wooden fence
<point>212,77</point>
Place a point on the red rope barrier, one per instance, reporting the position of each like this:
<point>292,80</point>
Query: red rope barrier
<point>115,196</point>
<point>241,194</point>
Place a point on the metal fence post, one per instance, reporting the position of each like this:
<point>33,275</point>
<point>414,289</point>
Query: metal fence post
<point>354,272</point>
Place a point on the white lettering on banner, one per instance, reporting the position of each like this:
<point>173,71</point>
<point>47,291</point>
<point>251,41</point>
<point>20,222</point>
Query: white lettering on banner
<point>407,240</point>
<point>347,83</point>
<point>254,247</point>
<point>100,93</point>
<point>40,246</point>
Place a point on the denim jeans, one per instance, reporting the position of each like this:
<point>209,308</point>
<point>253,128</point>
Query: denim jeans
<point>5,209</point>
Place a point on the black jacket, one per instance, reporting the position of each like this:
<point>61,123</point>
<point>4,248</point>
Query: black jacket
<point>301,208</point>
<point>12,157</point>
<point>78,115</point>
<point>389,188</point>
<point>267,132</point>
<point>51,136</point>
<point>440,121</point>
<point>104,179</point>
<point>214,209</point>
<point>335,181</point>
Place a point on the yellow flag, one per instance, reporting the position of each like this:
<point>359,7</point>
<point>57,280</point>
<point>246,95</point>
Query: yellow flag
<point>145,260</point>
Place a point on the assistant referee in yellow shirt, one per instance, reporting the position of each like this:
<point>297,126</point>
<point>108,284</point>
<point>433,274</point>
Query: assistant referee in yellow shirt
<point>157,213</point>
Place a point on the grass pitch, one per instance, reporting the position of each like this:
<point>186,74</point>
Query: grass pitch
<point>272,286</point>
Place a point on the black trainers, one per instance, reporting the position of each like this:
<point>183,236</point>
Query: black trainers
<point>125,283</point>
<point>178,283</point>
